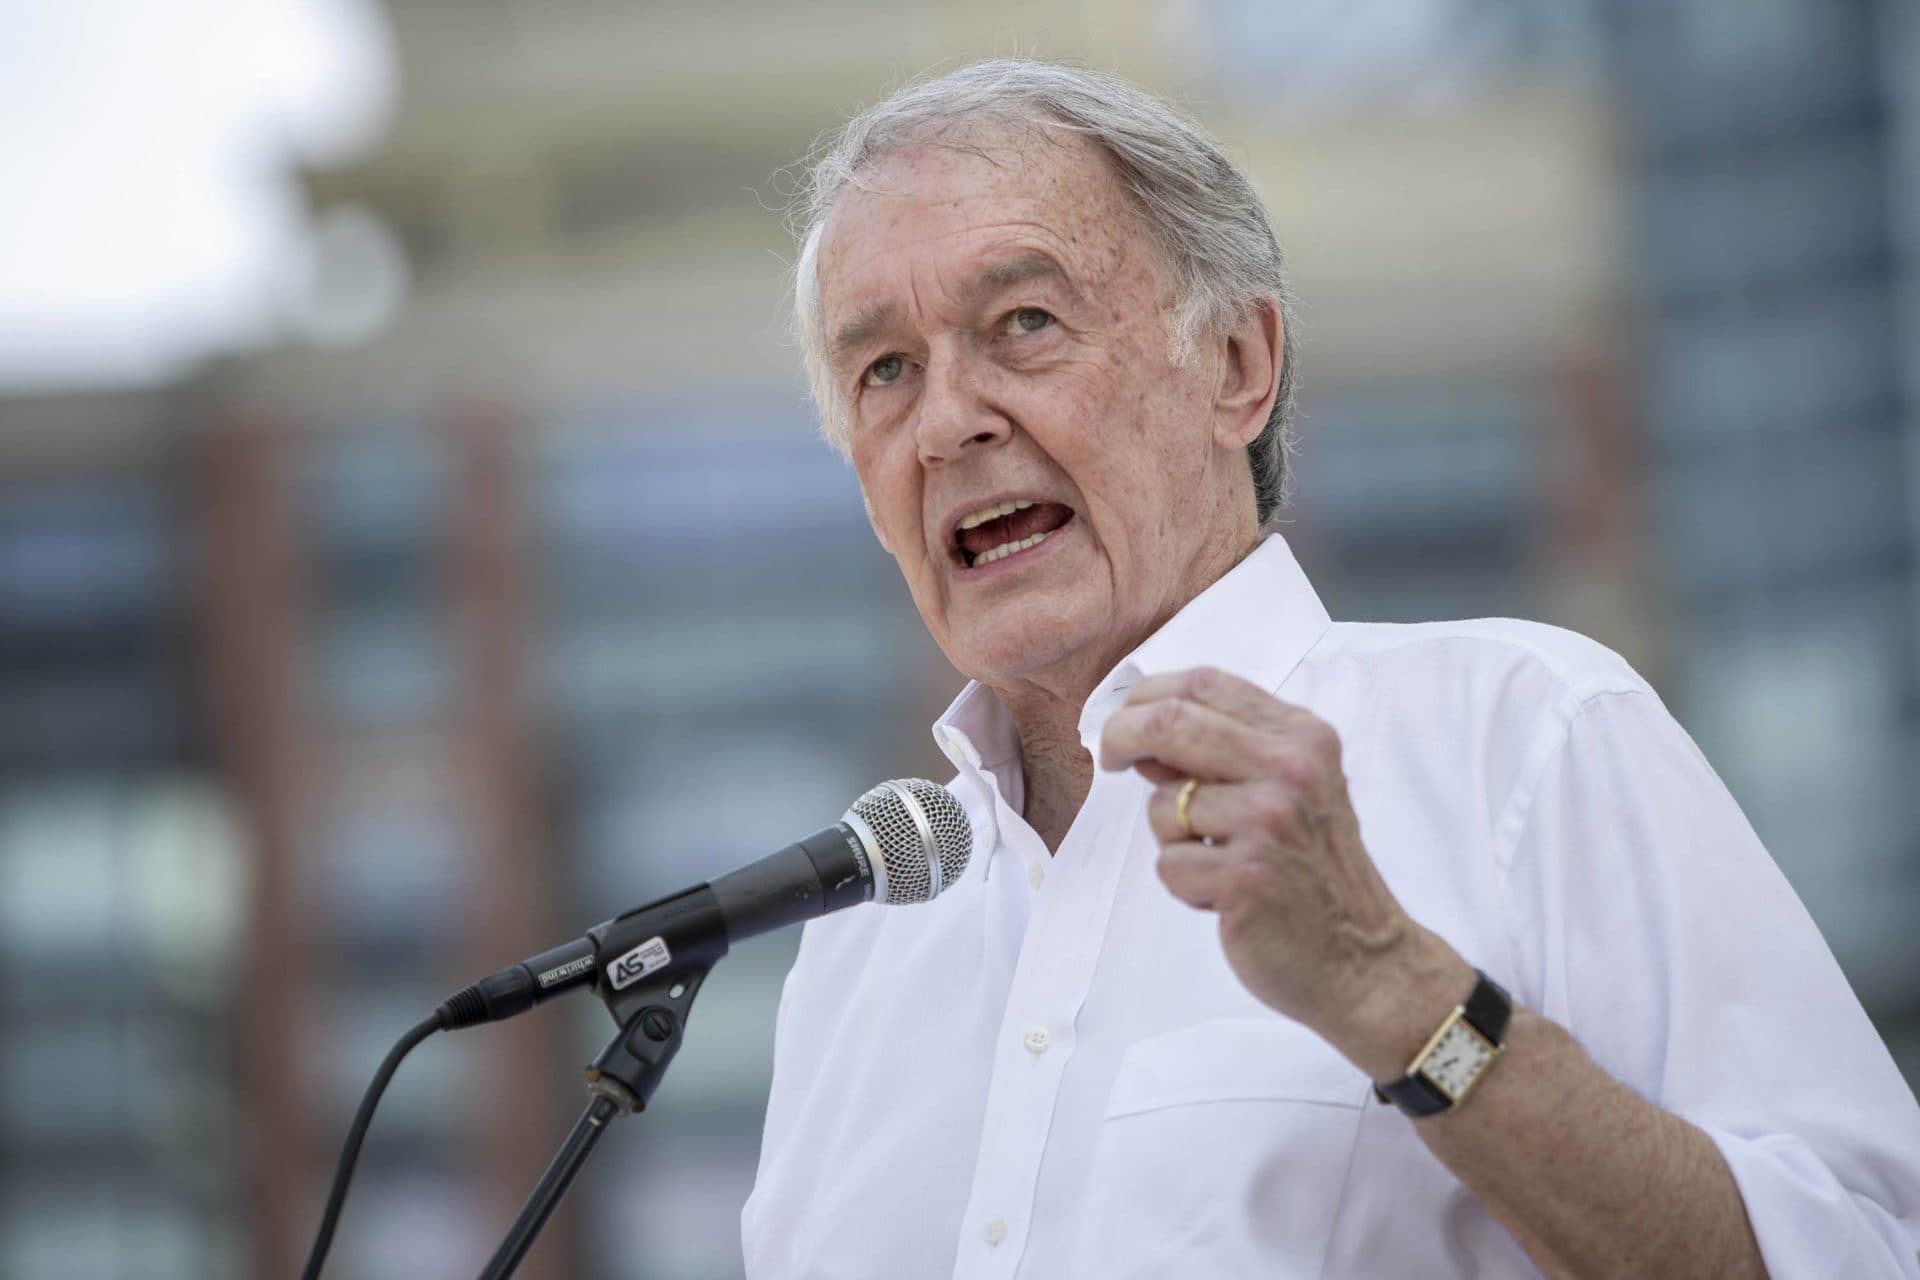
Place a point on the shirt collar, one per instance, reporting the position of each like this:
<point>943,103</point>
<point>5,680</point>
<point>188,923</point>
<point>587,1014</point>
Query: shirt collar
<point>976,732</point>
<point>1257,622</point>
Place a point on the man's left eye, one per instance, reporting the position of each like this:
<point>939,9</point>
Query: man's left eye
<point>1028,320</point>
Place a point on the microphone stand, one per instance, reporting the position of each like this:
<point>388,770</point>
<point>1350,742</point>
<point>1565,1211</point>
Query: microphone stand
<point>553,1184</point>
<point>652,1016</point>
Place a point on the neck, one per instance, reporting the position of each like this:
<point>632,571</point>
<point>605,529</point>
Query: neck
<point>1058,773</point>
<point>1058,770</point>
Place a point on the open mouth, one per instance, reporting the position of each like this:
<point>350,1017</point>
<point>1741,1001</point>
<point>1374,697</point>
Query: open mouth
<point>996,532</point>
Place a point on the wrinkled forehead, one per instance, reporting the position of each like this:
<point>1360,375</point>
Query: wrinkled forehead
<point>952,195</point>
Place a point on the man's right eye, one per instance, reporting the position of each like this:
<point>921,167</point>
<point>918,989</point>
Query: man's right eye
<point>885,371</point>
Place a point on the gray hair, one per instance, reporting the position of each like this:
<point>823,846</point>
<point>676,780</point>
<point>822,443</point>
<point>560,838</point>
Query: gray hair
<point>1195,203</point>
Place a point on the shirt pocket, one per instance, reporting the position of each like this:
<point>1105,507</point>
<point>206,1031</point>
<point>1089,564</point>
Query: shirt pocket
<point>1224,1151</point>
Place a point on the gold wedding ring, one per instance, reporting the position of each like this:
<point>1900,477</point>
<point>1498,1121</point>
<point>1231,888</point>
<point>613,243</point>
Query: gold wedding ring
<point>1180,804</point>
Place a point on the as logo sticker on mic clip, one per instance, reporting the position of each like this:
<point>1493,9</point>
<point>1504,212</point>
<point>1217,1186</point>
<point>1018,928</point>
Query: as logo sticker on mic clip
<point>639,962</point>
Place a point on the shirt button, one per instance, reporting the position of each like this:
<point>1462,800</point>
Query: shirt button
<point>996,1231</point>
<point>1038,1040</point>
<point>1035,874</point>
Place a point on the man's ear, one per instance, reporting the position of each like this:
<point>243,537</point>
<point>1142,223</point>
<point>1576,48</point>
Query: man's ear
<point>1251,361</point>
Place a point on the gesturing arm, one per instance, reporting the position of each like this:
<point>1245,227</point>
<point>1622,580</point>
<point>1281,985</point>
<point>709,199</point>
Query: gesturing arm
<point>1731,1110</point>
<point>1589,1177</point>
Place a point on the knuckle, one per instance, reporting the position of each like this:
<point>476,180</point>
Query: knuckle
<point>1167,718</point>
<point>1249,880</point>
<point>1301,769</point>
<point>1181,875</point>
<point>1279,812</point>
<point>1203,681</point>
<point>1270,754</point>
<point>1325,740</point>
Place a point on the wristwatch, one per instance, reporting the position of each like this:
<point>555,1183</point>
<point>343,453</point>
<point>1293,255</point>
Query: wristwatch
<point>1456,1055</point>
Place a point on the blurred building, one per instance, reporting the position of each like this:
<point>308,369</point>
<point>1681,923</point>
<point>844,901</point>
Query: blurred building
<point>1781,434</point>
<point>520,589</point>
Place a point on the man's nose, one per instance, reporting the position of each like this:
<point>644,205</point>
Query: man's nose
<point>956,413</point>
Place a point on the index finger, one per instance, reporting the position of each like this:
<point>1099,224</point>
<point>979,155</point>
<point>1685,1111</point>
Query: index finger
<point>1220,690</point>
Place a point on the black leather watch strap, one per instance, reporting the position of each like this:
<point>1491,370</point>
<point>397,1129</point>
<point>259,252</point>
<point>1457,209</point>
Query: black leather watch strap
<point>1414,1094</point>
<point>1488,1008</point>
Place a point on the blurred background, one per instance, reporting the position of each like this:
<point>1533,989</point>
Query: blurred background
<point>414,540</point>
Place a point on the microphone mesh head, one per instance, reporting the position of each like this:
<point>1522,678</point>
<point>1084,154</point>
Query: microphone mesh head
<point>917,824</point>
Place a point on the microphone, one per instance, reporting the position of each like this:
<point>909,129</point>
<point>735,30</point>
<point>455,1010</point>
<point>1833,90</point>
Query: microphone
<point>904,841</point>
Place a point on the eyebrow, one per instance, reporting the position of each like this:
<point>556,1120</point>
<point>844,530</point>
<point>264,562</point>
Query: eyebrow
<point>1018,269</point>
<point>856,332</point>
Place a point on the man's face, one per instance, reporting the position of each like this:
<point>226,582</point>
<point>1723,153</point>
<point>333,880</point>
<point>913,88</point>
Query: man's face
<point>997,322</point>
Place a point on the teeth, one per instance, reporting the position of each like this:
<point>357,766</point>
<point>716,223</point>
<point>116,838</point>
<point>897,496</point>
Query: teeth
<point>1006,549</point>
<point>994,513</point>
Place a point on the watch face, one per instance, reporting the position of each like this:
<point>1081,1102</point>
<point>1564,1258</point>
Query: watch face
<point>1457,1059</point>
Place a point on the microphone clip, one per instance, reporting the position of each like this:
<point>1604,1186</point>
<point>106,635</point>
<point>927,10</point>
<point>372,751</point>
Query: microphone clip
<point>629,1069</point>
<point>651,963</point>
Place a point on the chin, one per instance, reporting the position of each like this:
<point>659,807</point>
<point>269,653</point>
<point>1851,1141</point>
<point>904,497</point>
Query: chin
<point>1021,648</point>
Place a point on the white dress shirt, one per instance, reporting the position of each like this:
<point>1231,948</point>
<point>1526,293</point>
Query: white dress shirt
<point>1050,1072</point>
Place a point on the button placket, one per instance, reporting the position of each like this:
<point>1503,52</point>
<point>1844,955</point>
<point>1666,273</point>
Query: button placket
<point>1051,976</point>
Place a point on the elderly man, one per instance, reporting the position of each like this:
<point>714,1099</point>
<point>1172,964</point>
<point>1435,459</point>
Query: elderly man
<point>1236,864</point>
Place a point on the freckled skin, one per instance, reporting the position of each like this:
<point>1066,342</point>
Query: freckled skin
<point>1090,409</point>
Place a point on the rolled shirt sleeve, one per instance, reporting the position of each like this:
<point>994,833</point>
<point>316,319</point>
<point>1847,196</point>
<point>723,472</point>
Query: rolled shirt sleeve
<point>1659,931</point>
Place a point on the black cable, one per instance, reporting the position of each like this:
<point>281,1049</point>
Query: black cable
<point>350,1153</point>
